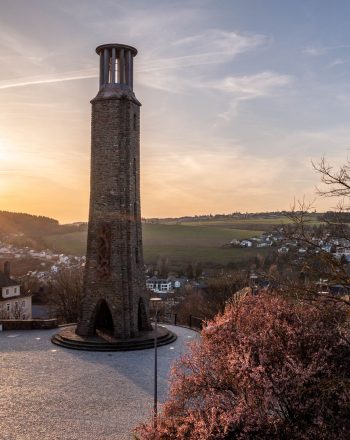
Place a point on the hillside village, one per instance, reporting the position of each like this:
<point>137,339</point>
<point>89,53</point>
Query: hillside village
<point>339,247</point>
<point>42,264</point>
<point>50,263</point>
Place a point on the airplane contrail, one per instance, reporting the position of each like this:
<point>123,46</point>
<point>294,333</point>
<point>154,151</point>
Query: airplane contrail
<point>69,76</point>
<point>148,66</point>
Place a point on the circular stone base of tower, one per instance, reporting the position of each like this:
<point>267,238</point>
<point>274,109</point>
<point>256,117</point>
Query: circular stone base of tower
<point>104,342</point>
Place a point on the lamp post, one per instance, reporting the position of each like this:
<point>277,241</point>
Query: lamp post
<point>155,407</point>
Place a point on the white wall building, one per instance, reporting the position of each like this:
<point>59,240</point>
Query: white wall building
<point>246,243</point>
<point>158,285</point>
<point>13,303</point>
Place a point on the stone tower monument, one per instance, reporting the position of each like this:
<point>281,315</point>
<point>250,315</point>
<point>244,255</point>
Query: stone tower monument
<point>115,299</point>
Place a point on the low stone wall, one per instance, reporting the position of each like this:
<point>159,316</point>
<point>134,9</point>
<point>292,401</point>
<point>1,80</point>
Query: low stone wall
<point>30,324</point>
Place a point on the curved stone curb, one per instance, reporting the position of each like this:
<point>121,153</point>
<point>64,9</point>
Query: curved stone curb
<point>68,339</point>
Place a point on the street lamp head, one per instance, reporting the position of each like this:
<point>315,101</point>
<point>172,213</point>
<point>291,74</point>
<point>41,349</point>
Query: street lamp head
<point>155,299</point>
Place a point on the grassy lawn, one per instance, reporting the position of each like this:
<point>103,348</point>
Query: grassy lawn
<point>73,243</point>
<point>184,235</point>
<point>181,243</point>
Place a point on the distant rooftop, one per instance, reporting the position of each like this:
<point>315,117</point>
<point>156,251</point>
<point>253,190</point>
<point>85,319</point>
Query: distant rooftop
<point>6,281</point>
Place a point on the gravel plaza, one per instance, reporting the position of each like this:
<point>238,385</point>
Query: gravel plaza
<point>52,393</point>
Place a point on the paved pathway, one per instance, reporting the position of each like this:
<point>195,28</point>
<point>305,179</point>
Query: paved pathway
<point>52,393</point>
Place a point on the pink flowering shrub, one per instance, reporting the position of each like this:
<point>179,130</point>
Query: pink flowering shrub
<point>267,368</point>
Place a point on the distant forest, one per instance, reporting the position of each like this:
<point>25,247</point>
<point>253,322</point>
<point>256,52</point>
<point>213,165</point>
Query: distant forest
<point>231,216</point>
<point>30,230</point>
<point>335,217</point>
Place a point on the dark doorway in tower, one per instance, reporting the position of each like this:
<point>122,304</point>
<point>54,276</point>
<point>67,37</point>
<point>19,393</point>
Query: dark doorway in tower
<point>103,320</point>
<point>142,316</point>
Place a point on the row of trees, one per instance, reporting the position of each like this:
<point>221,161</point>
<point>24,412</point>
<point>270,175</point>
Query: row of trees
<point>163,267</point>
<point>206,303</point>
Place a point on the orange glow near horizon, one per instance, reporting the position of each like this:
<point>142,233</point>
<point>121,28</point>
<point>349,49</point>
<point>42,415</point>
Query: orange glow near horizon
<point>228,122</point>
<point>30,187</point>
<point>55,182</point>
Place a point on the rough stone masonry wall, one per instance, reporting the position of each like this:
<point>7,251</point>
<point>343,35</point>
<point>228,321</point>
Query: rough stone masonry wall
<point>114,269</point>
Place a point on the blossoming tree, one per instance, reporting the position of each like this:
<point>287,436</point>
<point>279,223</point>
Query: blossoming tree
<point>267,368</point>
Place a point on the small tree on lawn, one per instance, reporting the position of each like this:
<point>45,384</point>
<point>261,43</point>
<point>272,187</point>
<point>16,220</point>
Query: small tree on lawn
<point>267,368</point>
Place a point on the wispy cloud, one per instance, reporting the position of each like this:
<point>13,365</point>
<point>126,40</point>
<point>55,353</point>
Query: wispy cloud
<point>216,41</point>
<point>252,86</point>
<point>211,47</point>
<point>248,87</point>
<point>19,44</point>
<point>316,51</point>
<point>336,62</point>
<point>19,52</point>
<point>49,78</point>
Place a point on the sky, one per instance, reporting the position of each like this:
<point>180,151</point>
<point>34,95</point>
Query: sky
<point>238,98</point>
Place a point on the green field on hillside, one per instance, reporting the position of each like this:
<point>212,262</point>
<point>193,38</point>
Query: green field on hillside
<point>261,223</point>
<point>192,235</point>
<point>191,241</point>
<point>181,243</point>
<point>73,243</point>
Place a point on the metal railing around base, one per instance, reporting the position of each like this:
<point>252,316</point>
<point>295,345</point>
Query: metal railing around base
<point>191,321</point>
<point>195,322</point>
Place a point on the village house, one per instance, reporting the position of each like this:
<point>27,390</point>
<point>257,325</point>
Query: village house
<point>177,282</point>
<point>157,285</point>
<point>246,243</point>
<point>283,250</point>
<point>13,303</point>
<point>235,242</point>
<point>342,252</point>
<point>327,247</point>
<point>264,244</point>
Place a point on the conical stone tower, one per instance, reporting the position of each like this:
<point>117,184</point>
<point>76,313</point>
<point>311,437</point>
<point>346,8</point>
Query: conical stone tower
<point>115,299</point>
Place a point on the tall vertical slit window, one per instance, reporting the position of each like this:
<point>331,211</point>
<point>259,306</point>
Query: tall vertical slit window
<point>135,173</point>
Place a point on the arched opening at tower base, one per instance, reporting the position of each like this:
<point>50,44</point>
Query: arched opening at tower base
<point>103,318</point>
<point>142,321</point>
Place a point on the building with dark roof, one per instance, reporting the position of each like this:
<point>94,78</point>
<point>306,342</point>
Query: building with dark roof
<point>13,303</point>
